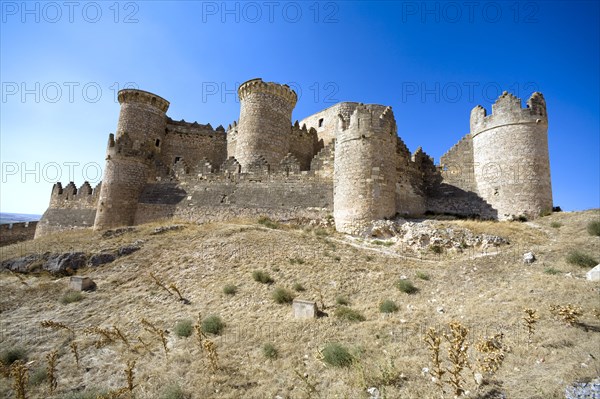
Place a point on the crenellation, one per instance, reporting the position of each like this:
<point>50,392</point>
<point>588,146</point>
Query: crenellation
<point>346,160</point>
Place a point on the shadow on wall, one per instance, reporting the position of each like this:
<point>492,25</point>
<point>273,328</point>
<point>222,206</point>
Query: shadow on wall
<point>451,200</point>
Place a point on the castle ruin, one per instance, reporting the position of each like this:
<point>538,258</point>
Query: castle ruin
<point>346,161</point>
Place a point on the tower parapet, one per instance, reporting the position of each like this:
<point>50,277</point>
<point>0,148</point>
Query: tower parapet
<point>364,168</point>
<point>139,135</point>
<point>264,127</point>
<point>510,154</point>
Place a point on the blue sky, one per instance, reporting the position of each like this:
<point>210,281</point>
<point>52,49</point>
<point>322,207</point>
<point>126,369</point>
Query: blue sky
<point>62,64</point>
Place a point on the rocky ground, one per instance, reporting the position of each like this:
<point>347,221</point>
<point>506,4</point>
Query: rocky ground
<point>463,271</point>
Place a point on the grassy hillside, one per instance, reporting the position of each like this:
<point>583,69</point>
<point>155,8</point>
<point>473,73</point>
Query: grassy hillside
<point>485,291</point>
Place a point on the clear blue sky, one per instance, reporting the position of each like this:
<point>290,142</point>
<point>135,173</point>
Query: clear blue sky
<point>61,65</point>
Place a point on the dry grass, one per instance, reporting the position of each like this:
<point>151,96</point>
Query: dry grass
<point>487,293</point>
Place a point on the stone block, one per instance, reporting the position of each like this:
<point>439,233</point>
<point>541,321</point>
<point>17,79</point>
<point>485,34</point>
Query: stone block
<point>593,274</point>
<point>304,309</point>
<point>79,283</point>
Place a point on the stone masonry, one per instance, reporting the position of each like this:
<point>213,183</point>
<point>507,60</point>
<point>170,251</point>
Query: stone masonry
<point>346,161</point>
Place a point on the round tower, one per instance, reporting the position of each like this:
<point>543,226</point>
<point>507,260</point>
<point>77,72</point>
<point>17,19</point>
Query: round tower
<point>364,168</point>
<point>130,156</point>
<point>265,122</point>
<point>510,154</point>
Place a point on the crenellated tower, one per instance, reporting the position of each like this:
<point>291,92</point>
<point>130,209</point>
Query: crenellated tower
<point>364,168</point>
<point>265,125</point>
<point>130,156</point>
<point>510,156</point>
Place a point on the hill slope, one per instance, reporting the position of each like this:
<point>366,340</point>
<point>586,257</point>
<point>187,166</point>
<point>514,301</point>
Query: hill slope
<point>485,290</point>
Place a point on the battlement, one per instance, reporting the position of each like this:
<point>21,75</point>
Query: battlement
<point>507,110</point>
<point>257,85</point>
<point>73,197</point>
<point>365,121</point>
<point>142,97</point>
<point>124,146</point>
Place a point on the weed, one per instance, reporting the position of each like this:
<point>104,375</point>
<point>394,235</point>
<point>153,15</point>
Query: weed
<point>522,218</point>
<point>229,289</point>
<point>593,228</point>
<point>310,387</point>
<point>51,371</point>
<point>457,354</point>
<point>262,277</point>
<point>346,313</point>
<point>556,225</point>
<point>172,391</point>
<point>70,297</point>
<point>55,325</point>
<point>579,258</point>
<point>337,258</point>
<point>552,271</point>
<point>296,261</point>
<point>406,286</point>
<point>213,325</point>
<point>9,356</point>
<point>20,375</point>
<point>183,328</point>
<point>529,320</point>
<point>436,249</point>
<point>423,276</point>
<point>106,336</point>
<point>211,349</point>
<point>282,296</point>
<point>298,287</point>
<point>434,341</point>
<point>388,306</point>
<point>342,301</point>
<point>269,351</point>
<point>568,313</point>
<point>493,352</point>
<point>73,346</point>
<point>129,375</point>
<point>38,376</point>
<point>337,355</point>
<point>158,332</point>
<point>267,222</point>
<point>383,243</point>
<point>321,232</point>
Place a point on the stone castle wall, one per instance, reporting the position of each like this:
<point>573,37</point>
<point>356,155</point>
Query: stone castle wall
<point>264,126</point>
<point>347,160</point>
<point>196,144</point>
<point>11,233</point>
<point>510,153</point>
<point>364,168</point>
<point>326,122</point>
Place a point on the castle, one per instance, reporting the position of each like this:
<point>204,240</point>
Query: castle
<point>346,161</point>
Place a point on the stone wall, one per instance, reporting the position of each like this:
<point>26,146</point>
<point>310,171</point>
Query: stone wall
<point>195,143</point>
<point>11,233</point>
<point>224,197</point>
<point>457,165</point>
<point>510,152</point>
<point>326,122</point>
<point>264,127</point>
<point>365,168</point>
<point>131,156</point>
<point>304,145</point>
<point>70,208</point>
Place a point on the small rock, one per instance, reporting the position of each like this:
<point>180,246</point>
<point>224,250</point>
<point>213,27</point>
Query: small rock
<point>101,259</point>
<point>374,392</point>
<point>478,378</point>
<point>594,274</point>
<point>529,258</point>
<point>440,309</point>
<point>581,390</point>
<point>65,263</point>
<point>128,249</point>
<point>403,277</point>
